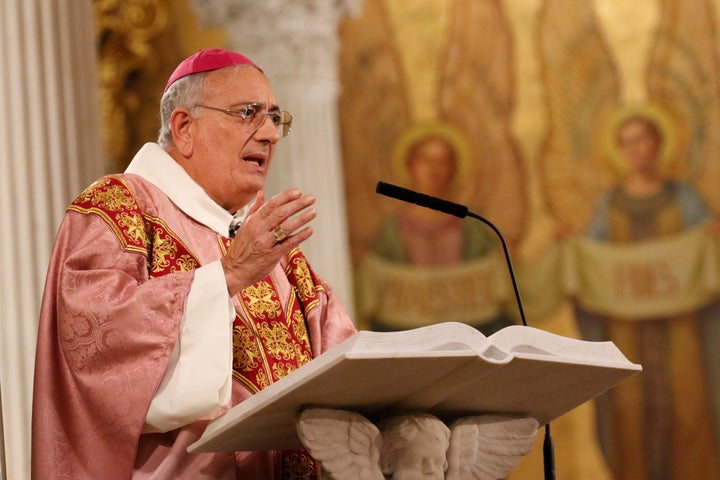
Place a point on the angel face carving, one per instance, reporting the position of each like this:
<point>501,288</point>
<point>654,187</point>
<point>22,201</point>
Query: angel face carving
<point>414,447</point>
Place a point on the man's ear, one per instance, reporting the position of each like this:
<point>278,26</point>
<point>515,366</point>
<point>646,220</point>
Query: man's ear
<point>183,129</point>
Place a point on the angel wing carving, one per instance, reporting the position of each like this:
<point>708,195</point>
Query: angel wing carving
<point>346,443</point>
<point>488,447</point>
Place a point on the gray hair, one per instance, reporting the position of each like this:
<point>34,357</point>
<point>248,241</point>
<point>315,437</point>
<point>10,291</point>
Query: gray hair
<point>184,92</point>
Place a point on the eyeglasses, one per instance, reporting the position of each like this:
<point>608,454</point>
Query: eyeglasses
<point>253,115</point>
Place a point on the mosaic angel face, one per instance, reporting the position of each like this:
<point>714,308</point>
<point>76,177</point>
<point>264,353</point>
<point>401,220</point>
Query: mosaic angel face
<point>432,165</point>
<point>640,141</point>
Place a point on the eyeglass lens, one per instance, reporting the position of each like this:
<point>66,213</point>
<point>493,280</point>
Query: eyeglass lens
<point>280,118</point>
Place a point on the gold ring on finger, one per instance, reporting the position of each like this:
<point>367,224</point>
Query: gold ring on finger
<point>280,234</point>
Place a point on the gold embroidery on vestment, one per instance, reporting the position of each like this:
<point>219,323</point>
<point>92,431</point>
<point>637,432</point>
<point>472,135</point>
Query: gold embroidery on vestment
<point>301,271</point>
<point>262,379</point>
<point>89,193</point>
<point>302,346</point>
<point>163,251</point>
<point>298,465</point>
<point>186,263</point>
<point>277,340</point>
<point>245,351</point>
<point>261,300</point>
<point>114,198</point>
<point>281,370</point>
<point>133,225</point>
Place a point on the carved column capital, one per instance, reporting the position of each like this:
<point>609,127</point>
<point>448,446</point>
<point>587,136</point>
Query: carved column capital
<point>303,33</point>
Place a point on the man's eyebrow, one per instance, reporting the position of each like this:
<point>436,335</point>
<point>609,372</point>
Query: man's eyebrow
<point>272,108</point>
<point>246,103</point>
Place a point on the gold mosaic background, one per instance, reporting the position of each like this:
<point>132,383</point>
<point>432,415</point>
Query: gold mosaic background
<point>530,84</point>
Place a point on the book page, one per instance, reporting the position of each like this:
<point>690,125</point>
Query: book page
<point>517,339</point>
<point>441,337</point>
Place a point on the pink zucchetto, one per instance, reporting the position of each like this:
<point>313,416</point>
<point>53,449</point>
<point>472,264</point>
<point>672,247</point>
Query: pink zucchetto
<point>206,60</point>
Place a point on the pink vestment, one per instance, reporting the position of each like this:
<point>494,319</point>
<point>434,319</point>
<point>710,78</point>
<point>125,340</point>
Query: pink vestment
<point>106,333</point>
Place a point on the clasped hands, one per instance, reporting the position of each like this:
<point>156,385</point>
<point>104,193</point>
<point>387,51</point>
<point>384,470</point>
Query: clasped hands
<point>270,231</point>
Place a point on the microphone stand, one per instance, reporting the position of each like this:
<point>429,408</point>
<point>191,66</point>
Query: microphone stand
<point>548,448</point>
<point>462,211</point>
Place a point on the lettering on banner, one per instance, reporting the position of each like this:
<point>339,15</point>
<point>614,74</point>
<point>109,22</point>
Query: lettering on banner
<point>432,295</point>
<point>644,280</point>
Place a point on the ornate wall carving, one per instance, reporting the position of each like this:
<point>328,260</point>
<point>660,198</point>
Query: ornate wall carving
<point>125,30</point>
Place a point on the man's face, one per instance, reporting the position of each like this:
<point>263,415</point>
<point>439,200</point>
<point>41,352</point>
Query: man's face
<point>230,159</point>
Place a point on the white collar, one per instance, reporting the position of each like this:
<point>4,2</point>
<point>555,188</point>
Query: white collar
<point>156,166</point>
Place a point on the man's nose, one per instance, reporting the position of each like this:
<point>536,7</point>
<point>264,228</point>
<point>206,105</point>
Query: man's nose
<point>267,130</point>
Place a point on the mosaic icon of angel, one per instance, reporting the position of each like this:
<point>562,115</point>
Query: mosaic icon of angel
<point>427,104</point>
<point>631,159</point>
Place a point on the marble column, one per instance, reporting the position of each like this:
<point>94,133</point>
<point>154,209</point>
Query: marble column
<point>296,44</point>
<point>50,148</point>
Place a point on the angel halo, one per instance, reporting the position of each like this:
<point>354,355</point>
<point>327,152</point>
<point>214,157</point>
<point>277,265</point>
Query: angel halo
<point>661,119</point>
<point>421,131</point>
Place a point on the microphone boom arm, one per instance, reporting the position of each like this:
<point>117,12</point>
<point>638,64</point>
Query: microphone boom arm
<point>507,260</point>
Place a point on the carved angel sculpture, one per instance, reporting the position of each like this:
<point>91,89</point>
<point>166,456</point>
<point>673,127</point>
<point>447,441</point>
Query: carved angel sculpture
<point>415,446</point>
<point>488,447</point>
<point>346,443</point>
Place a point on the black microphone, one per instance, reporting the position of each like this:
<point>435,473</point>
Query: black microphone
<point>462,211</point>
<point>421,199</point>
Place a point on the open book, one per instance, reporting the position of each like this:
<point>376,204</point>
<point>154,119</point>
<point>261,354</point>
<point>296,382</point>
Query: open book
<point>447,369</point>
